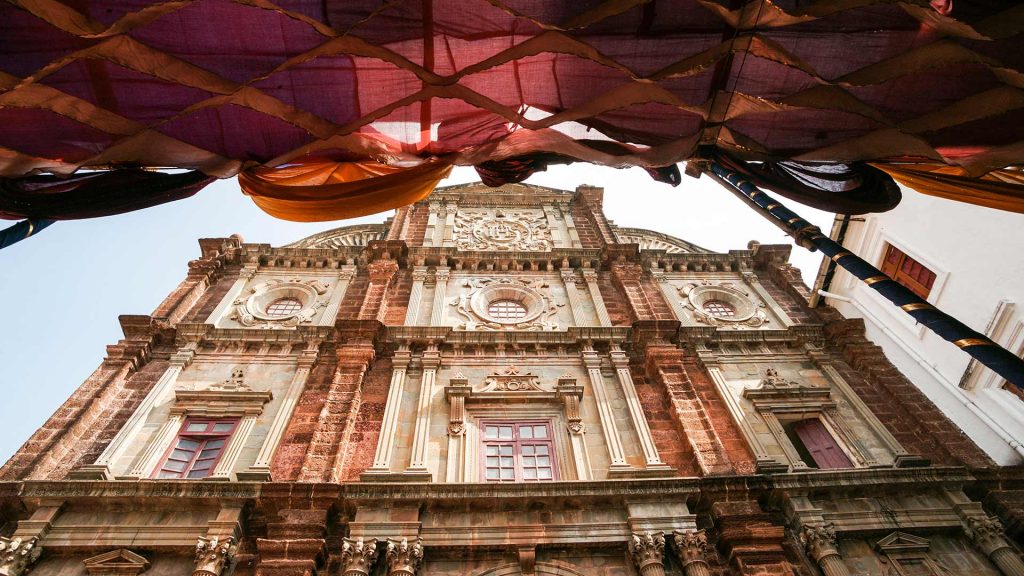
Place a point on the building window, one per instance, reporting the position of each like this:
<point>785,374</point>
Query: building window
<point>816,446</point>
<point>197,449</point>
<point>719,309</point>
<point>506,310</point>
<point>284,307</point>
<point>518,452</point>
<point>910,273</point>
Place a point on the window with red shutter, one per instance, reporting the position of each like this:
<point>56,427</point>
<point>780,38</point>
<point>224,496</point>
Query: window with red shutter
<point>518,451</point>
<point>812,439</point>
<point>197,449</point>
<point>910,273</point>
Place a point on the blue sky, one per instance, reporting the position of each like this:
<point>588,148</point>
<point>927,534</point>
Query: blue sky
<point>63,290</point>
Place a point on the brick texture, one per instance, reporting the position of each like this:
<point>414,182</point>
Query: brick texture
<point>362,442</point>
<point>398,299</point>
<point>416,227</point>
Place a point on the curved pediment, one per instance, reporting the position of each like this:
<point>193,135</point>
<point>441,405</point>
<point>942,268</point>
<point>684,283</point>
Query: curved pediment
<point>651,240</point>
<point>358,235</point>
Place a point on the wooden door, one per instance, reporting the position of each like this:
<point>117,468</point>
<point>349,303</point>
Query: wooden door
<point>821,445</point>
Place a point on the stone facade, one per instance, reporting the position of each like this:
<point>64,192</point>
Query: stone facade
<point>500,382</point>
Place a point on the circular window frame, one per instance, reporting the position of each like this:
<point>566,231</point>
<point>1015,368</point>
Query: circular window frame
<point>744,307</point>
<point>527,298</point>
<point>257,303</point>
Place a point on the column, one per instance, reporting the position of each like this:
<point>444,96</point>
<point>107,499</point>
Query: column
<point>456,392</point>
<point>636,412</point>
<point>449,224</point>
<point>570,226</point>
<point>260,469</point>
<point>357,557</point>
<point>611,434</point>
<point>647,550</point>
<point>345,276</point>
<point>441,274</point>
<point>579,318</point>
<point>18,555</point>
<point>987,534</point>
<point>213,555</point>
<point>428,236</point>
<point>246,274</point>
<point>389,422</point>
<point>404,558</point>
<point>419,275</point>
<point>156,447</point>
<point>552,216</point>
<point>595,296</point>
<point>101,468</point>
<point>571,393</point>
<point>692,548</point>
<point>421,436</point>
<point>234,448</point>
<point>820,542</point>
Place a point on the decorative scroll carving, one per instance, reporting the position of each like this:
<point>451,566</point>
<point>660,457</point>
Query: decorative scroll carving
<point>251,310</point>
<point>820,541</point>
<point>570,392</point>
<point>692,547</point>
<point>213,555</point>
<point>404,557</point>
<point>456,393</point>
<point>648,550</point>
<point>502,230</point>
<point>773,381</point>
<point>986,533</point>
<point>534,295</point>
<point>747,312</point>
<point>511,380</point>
<point>357,556</point>
<point>17,555</point>
<point>235,383</point>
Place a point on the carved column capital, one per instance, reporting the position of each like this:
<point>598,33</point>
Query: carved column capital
<point>213,555</point>
<point>820,541</point>
<point>419,274</point>
<point>692,547</point>
<point>17,555</point>
<point>648,550</point>
<point>404,557</point>
<point>987,534</point>
<point>357,556</point>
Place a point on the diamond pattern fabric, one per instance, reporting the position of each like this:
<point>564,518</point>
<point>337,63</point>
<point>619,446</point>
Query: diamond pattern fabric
<point>222,85</point>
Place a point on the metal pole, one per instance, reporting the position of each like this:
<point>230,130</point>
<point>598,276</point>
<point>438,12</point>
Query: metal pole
<point>1000,360</point>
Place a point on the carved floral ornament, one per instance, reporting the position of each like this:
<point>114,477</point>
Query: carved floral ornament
<point>17,555</point>
<point>512,380</point>
<point>502,230</point>
<point>747,312</point>
<point>213,555</point>
<point>534,295</point>
<point>252,310</point>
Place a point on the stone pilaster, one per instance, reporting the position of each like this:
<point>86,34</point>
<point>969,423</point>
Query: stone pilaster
<point>389,423</point>
<point>441,275</point>
<point>820,543</point>
<point>569,280</point>
<point>418,459</point>
<point>404,557</point>
<point>590,276</point>
<point>636,412</point>
<point>988,536</point>
<point>419,276</point>
<point>592,362</point>
<point>213,555</point>
<point>357,556</point>
<point>692,548</point>
<point>648,551</point>
<point>17,555</point>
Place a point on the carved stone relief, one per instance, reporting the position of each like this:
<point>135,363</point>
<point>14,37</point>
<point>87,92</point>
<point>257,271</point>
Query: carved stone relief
<point>213,555</point>
<point>120,562</point>
<point>17,555</point>
<point>252,310</point>
<point>502,230</point>
<point>512,380</point>
<point>745,310</point>
<point>473,305</point>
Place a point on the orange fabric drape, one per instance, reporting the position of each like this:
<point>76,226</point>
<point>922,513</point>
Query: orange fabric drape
<point>323,190</point>
<point>1000,189</point>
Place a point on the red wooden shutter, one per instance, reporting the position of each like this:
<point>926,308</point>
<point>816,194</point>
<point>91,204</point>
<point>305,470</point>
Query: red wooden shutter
<point>822,446</point>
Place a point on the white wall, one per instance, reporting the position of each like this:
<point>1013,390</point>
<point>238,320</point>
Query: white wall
<point>978,257</point>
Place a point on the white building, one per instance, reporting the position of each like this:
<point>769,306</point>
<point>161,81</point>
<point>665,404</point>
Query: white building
<point>967,261</point>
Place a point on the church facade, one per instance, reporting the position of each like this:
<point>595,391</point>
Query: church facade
<point>500,382</point>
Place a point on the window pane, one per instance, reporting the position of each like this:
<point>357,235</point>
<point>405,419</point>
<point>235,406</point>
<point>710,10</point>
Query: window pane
<point>492,461</point>
<point>529,461</point>
<point>284,307</point>
<point>530,474</point>
<point>185,455</point>
<point>186,444</point>
<point>543,461</point>
<point>506,461</point>
<point>527,449</point>
<point>506,450</point>
<point>196,427</point>
<point>526,432</point>
<point>175,465</point>
<point>492,450</point>
<point>540,431</point>
<point>202,465</point>
<point>544,474</point>
<point>505,432</point>
<point>199,474</point>
<point>506,474</point>
<point>208,454</point>
<point>542,449</point>
<point>223,426</point>
<point>491,432</point>
<point>492,473</point>
<point>214,443</point>
<point>166,474</point>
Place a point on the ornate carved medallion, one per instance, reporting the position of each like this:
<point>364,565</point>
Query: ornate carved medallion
<point>502,230</point>
<point>722,305</point>
<point>534,296</point>
<point>511,380</point>
<point>256,309</point>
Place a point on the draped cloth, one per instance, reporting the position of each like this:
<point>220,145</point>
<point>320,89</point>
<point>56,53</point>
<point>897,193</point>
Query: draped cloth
<point>94,194</point>
<point>854,188</point>
<point>1000,189</point>
<point>321,190</point>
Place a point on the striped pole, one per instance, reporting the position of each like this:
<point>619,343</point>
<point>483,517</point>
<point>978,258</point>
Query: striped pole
<point>21,230</point>
<point>979,346</point>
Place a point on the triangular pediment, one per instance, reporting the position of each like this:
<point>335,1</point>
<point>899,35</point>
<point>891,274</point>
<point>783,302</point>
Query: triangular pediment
<point>116,562</point>
<point>902,542</point>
